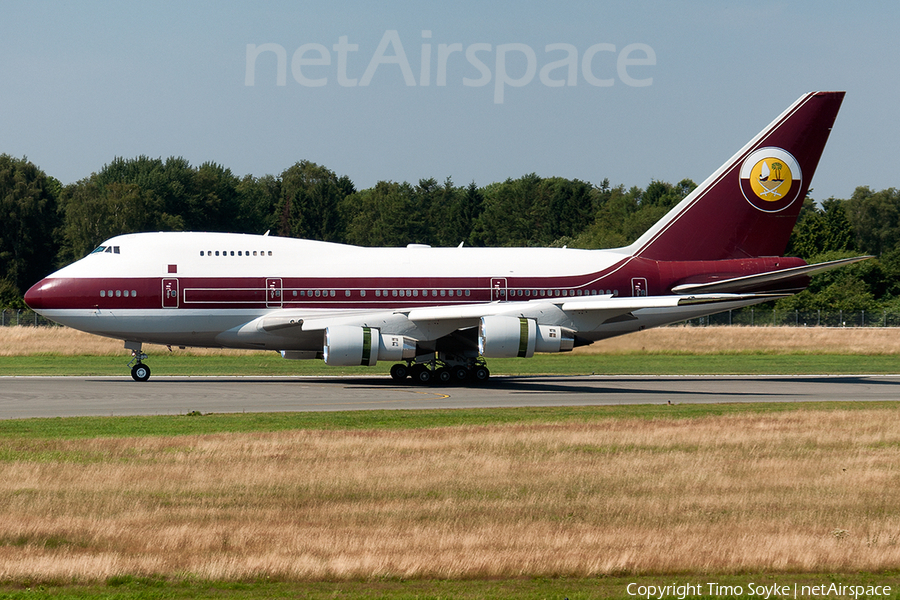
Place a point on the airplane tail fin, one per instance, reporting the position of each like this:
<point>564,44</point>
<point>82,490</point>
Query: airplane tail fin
<point>749,206</point>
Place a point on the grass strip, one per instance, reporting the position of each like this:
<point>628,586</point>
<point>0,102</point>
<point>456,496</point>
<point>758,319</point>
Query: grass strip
<point>211,423</point>
<point>611,588</point>
<point>549,364</point>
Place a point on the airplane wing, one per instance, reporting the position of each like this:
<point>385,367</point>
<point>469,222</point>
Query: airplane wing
<point>764,280</point>
<point>604,308</point>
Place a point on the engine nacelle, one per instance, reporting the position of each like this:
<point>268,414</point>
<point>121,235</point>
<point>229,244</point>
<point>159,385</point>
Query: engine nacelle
<point>347,346</point>
<point>553,338</point>
<point>510,337</point>
<point>507,337</point>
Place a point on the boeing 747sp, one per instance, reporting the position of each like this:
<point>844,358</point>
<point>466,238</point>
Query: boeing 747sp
<point>438,313</point>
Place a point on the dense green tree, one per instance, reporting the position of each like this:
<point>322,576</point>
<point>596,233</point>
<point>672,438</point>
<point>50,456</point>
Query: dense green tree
<point>257,198</point>
<point>383,216</point>
<point>531,211</point>
<point>28,220</point>
<point>467,207</point>
<point>821,230</point>
<point>308,204</point>
<point>875,217</point>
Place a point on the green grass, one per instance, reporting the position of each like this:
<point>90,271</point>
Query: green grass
<point>613,588</point>
<point>548,364</point>
<point>194,423</point>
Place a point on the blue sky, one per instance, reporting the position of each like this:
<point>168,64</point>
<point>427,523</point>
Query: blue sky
<point>683,85</point>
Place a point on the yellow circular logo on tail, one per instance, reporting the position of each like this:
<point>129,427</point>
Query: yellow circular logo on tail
<point>770,179</point>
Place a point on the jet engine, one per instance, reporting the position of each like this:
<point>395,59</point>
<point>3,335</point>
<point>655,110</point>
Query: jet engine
<point>347,346</point>
<point>510,337</point>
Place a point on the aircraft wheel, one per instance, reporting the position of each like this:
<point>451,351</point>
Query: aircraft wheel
<point>443,375</point>
<point>422,375</point>
<point>140,372</point>
<point>399,372</point>
<point>460,373</point>
<point>480,373</point>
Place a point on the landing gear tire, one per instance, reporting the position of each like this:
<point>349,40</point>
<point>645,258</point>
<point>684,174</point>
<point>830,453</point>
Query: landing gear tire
<point>460,373</point>
<point>421,375</point>
<point>399,372</point>
<point>140,372</point>
<point>480,374</point>
<point>443,375</point>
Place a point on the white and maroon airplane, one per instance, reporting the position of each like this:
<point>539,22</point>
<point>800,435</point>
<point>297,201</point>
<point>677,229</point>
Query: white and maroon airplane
<point>438,312</point>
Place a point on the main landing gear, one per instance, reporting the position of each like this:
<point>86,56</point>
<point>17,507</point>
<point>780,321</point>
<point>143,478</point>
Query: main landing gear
<point>140,371</point>
<point>437,372</point>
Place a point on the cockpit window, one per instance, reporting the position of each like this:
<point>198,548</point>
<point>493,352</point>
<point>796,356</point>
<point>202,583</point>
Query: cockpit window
<point>110,249</point>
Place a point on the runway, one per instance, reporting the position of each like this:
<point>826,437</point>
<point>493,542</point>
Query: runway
<point>28,397</point>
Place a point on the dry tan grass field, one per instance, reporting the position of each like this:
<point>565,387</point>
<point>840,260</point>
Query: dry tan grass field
<point>17,341</point>
<point>783,492</point>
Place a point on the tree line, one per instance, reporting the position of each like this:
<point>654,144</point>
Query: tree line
<point>45,225</point>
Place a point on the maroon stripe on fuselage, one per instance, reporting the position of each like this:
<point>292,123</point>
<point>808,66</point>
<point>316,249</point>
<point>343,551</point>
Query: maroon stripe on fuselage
<point>262,292</point>
<point>631,277</point>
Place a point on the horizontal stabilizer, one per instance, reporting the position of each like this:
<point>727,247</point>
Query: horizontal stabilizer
<point>763,280</point>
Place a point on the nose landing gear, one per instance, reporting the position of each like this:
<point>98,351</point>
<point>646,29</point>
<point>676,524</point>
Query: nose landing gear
<point>140,371</point>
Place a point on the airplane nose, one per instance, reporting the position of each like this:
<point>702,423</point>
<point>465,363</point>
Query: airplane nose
<point>35,295</point>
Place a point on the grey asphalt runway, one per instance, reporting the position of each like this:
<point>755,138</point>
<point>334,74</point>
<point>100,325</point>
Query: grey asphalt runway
<point>26,397</point>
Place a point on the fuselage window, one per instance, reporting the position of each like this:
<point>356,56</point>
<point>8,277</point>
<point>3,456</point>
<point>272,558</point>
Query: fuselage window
<point>109,293</point>
<point>270,253</point>
<point>468,292</point>
<point>362,293</point>
<point>295,293</point>
<point>232,252</point>
<point>333,293</point>
<point>377,293</point>
<point>394,293</point>
<point>450,293</point>
<point>254,253</point>
<point>347,293</point>
<point>217,252</point>
<point>103,293</point>
<point>201,253</point>
<point>416,293</point>
<point>318,293</point>
<point>443,292</point>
